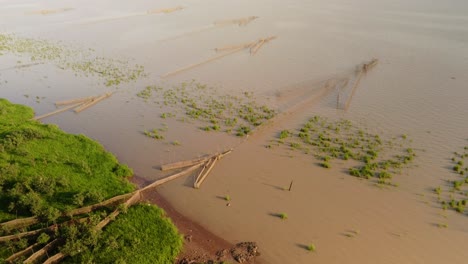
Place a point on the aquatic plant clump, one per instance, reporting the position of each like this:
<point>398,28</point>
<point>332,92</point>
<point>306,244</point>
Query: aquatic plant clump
<point>84,62</point>
<point>212,110</point>
<point>372,157</point>
<point>455,194</point>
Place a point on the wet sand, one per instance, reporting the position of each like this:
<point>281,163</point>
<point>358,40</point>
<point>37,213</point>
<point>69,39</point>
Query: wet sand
<point>418,88</point>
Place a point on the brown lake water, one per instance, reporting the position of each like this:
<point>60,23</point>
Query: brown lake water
<point>419,88</point>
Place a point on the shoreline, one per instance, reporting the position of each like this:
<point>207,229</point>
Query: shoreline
<point>200,244</point>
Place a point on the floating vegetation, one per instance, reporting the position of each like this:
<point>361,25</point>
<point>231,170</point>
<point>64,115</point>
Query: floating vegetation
<point>84,62</point>
<point>371,156</point>
<point>455,194</point>
<point>155,133</point>
<point>206,106</point>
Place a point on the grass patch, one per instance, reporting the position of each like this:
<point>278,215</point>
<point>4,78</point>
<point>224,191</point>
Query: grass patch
<point>44,170</point>
<point>142,235</point>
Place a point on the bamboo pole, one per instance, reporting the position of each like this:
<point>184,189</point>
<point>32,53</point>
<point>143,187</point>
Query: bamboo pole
<point>41,252</point>
<point>57,111</point>
<point>201,63</point>
<point>24,234</point>
<point>19,223</point>
<point>92,102</point>
<point>172,177</point>
<point>77,100</point>
<point>21,253</point>
<point>361,71</point>
<point>55,258</point>
<point>182,164</point>
<point>240,21</point>
<point>231,47</point>
<point>165,10</point>
<point>210,165</point>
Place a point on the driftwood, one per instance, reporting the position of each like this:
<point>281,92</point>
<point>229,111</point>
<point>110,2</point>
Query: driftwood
<point>253,46</point>
<point>41,252</point>
<point>91,102</point>
<point>77,100</point>
<point>57,111</point>
<point>360,71</point>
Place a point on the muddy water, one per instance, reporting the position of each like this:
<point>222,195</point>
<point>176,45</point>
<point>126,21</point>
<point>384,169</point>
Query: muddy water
<point>418,88</point>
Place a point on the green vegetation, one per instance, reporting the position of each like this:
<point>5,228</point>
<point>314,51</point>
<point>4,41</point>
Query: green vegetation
<point>155,133</point>
<point>113,72</point>
<point>283,216</point>
<point>372,157</point>
<point>455,194</point>
<point>46,173</point>
<point>207,107</point>
<point>142,235</point>
<point>311,247</point>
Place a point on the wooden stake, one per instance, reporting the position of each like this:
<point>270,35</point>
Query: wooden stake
<point>290,185</point>
<point>57,111</point>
